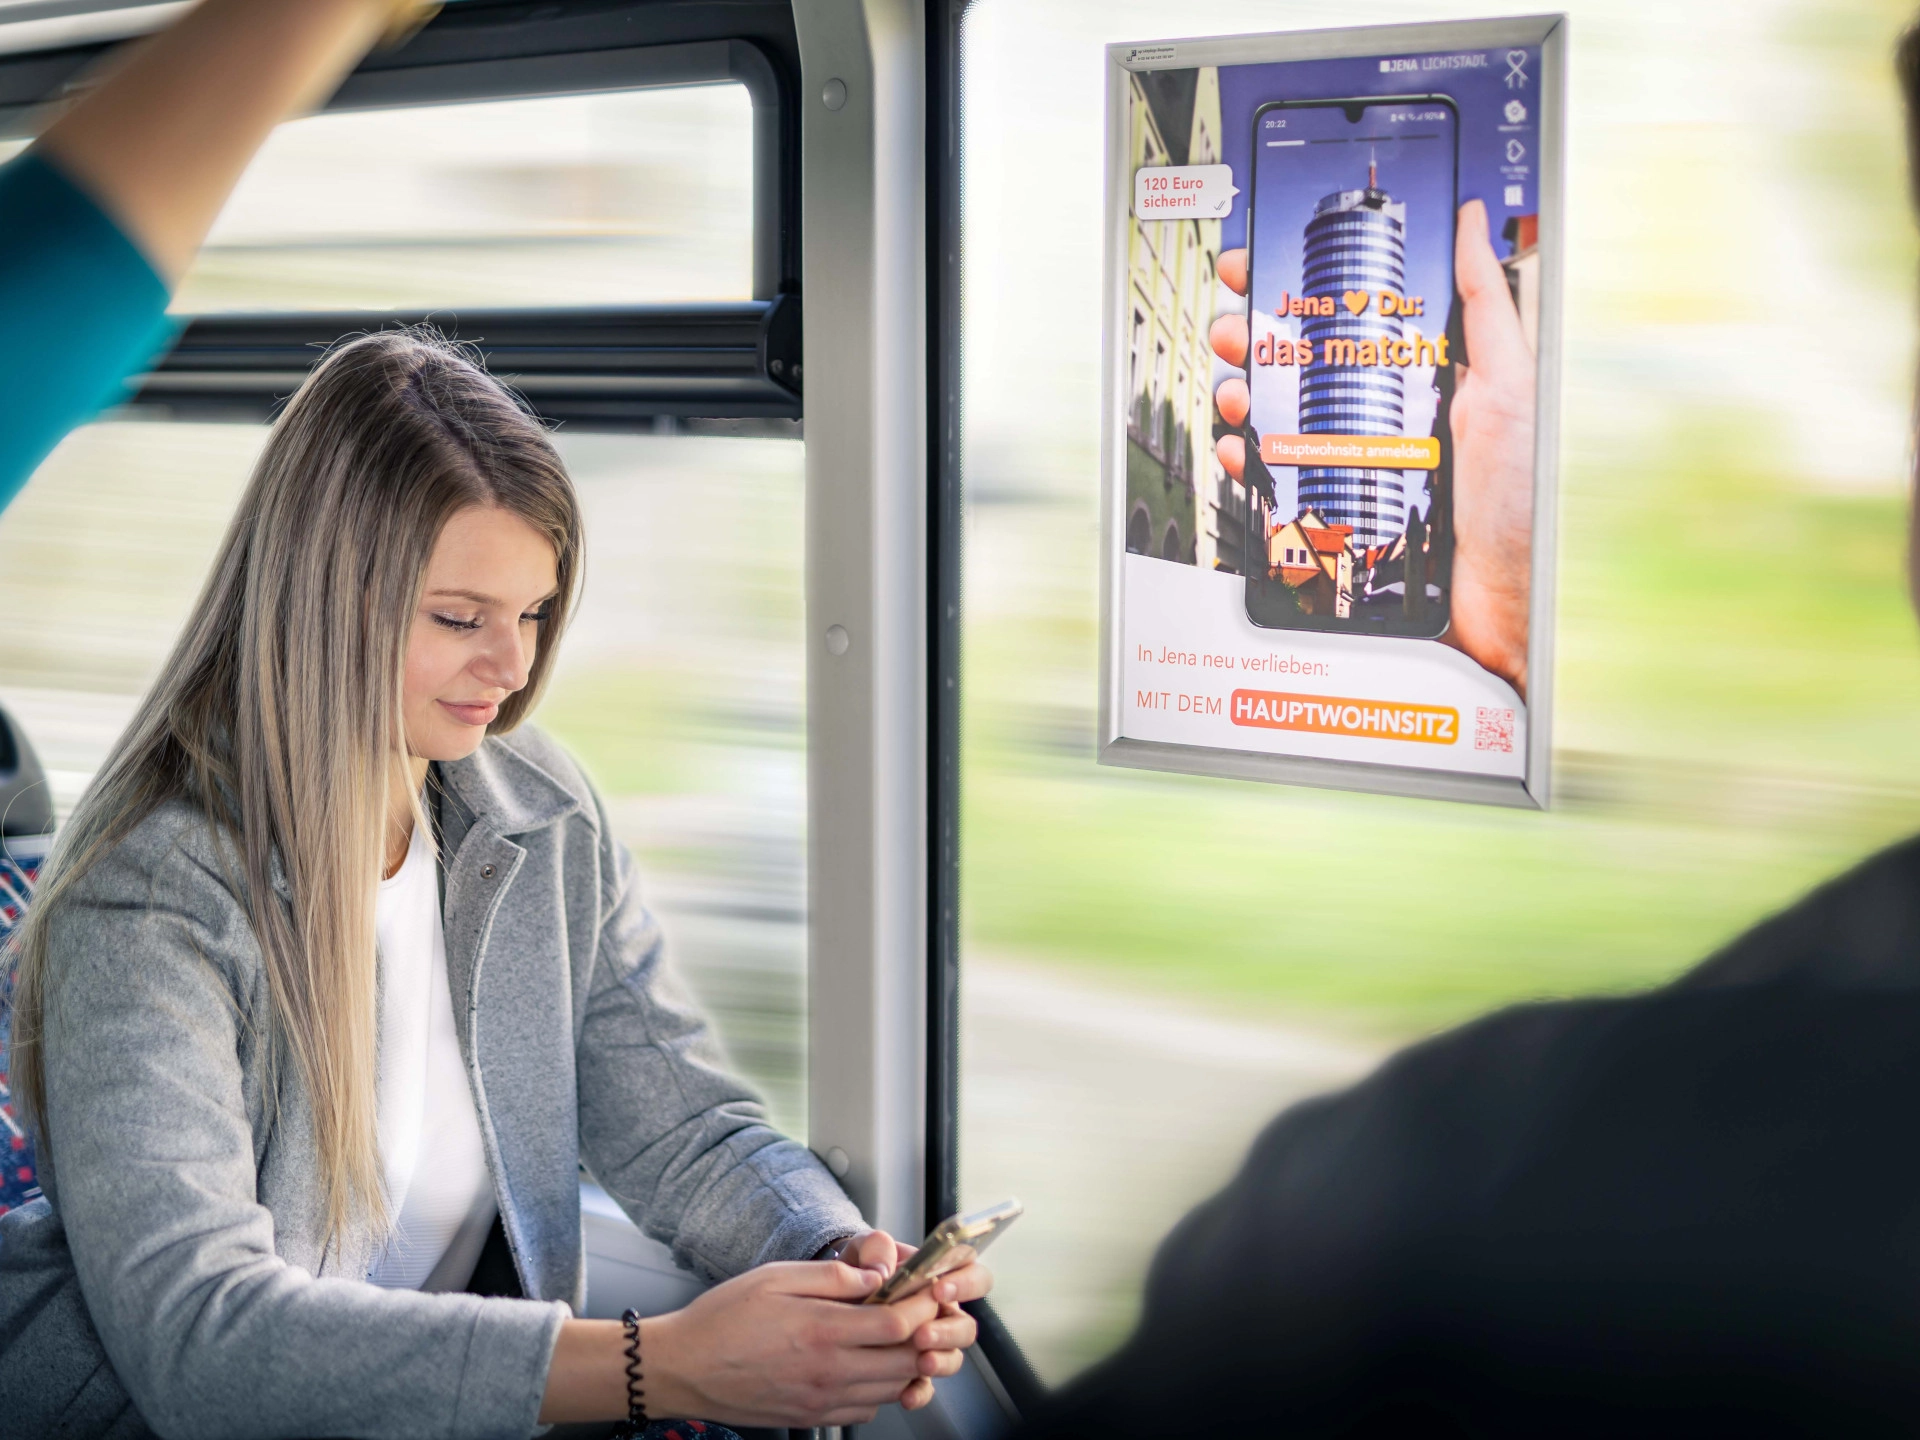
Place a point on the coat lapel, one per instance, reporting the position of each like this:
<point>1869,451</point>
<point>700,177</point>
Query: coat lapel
<point>505,1006</point>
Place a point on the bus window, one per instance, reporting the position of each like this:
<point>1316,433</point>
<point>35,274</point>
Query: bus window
<point>681,684</point>
<point>630,197</point>
<point>1153,965</point>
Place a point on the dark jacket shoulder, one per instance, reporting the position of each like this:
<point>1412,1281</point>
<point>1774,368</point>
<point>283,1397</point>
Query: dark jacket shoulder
<point>1859,931</point>
<point>1682,1212</point>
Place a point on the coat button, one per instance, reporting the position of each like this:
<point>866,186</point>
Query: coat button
<point>486,872</point>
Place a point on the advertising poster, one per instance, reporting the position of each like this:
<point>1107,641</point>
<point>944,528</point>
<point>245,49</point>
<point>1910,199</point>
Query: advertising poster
<point>1330,440</point>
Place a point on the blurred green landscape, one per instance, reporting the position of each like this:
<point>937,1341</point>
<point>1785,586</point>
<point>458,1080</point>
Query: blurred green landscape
<point>1753,729</point>
<point>1737,712</point>
<point>1736,708</point>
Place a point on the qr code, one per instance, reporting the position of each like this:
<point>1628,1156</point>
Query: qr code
<point>1493,730</point>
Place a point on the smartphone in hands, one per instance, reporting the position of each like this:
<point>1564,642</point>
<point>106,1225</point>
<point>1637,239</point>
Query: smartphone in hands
<point>954,1242</point>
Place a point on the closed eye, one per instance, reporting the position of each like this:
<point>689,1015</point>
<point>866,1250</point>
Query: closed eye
<point>453,623</point>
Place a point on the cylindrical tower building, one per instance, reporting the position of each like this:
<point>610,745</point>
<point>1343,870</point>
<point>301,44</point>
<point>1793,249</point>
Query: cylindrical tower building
<point>1356,241</point>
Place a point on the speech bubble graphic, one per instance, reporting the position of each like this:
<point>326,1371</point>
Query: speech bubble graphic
<point>1183,192</point>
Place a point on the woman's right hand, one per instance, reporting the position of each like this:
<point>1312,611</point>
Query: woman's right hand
<point>783,1345</point>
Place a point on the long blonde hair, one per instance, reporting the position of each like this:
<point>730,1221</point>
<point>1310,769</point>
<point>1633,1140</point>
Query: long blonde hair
<point>278,713</point>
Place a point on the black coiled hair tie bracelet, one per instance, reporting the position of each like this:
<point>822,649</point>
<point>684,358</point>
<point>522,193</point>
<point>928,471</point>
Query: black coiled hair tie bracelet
<point>636,1395</point>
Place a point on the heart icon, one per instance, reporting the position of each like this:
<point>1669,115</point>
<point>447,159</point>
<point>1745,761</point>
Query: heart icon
<point>1356,300</point>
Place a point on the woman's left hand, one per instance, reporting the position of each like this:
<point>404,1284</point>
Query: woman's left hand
<point>941,1339</point>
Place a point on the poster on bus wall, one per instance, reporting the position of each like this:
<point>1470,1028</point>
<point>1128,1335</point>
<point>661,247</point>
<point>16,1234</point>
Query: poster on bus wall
<point>1331,386</point>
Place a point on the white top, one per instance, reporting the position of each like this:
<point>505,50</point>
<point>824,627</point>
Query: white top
<point>436,1166</point>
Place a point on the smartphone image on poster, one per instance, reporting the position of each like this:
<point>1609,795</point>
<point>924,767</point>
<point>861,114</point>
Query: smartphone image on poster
<point>1350,225</point>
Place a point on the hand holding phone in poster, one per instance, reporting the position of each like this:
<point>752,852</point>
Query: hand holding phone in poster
<point>1493,418</point>
<point>1492,428</point>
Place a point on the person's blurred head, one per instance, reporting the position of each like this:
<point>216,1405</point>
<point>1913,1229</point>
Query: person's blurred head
<point>393,583</point>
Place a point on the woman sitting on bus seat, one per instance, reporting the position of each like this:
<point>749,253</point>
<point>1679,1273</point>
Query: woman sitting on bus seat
<point>279,1096</point>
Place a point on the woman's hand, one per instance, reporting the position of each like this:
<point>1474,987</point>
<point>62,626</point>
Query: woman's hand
<point>162,139</point>
<point>939,1352</point>
<point>783,1345</point>
<point>791,1345</point>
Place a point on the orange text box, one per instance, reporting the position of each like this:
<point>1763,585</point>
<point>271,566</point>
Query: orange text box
<point>1331,715</point>
<point>1378,452</point>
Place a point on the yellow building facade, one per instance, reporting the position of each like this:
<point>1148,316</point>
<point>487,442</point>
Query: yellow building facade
<point>1174,480</point>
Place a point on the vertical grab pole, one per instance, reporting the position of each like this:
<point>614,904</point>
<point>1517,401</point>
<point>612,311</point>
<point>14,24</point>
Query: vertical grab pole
<point>863,267</point>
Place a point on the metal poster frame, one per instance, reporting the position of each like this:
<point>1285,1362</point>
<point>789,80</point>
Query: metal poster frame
<point>1549,32</point>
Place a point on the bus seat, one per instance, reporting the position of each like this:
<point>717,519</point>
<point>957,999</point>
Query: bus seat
<point>626,1268</point>
<point>26,832</point>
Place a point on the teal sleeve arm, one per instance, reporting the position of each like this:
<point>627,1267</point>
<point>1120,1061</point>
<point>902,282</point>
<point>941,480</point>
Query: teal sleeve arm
<point>81,310</point>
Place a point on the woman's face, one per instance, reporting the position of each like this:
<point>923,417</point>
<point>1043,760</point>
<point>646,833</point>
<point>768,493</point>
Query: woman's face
<point>490,581</point>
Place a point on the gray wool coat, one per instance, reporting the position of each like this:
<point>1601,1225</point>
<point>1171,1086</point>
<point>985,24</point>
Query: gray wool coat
<point>173,1280</point>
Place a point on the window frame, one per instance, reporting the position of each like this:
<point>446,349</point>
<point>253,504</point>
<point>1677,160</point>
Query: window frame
<point>1015,1376</point>
<point>595,367</point>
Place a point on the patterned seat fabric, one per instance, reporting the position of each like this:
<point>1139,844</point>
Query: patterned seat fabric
<point>20,857</point>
